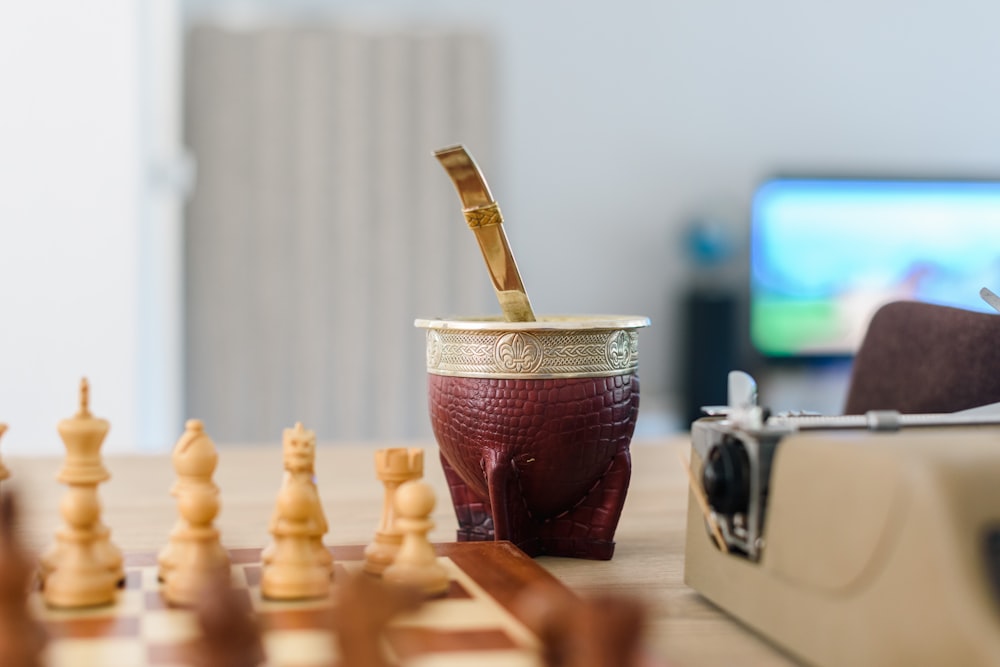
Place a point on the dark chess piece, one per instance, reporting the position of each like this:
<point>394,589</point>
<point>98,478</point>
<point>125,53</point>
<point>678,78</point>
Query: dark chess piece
<point>22,638</point>
<point>600,631</point>
<point>363,607</point>
<point>230,635</point>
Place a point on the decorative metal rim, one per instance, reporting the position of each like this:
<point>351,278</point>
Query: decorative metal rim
<point>542,323</point>
<point>496,351</point>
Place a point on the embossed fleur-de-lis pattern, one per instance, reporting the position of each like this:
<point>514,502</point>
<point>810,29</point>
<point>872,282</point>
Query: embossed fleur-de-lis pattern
<point>543,353</point>
<point>518,353</point>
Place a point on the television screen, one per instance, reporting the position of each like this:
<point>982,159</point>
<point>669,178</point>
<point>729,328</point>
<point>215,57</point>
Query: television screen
<point>826,253</point>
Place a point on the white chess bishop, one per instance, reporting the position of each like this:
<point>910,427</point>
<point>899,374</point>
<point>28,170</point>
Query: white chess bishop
<point>194,550</point>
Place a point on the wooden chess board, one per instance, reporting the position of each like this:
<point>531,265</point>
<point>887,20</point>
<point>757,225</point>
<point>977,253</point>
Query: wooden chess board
<point>475,623</point>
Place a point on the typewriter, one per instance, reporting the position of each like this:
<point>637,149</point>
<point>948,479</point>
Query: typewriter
<point>850,540</point>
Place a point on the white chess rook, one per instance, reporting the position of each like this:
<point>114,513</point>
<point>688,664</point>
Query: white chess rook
<point>393,466</point>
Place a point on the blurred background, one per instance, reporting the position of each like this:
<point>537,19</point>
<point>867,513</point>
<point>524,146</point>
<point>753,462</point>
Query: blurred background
<point>229,210</point>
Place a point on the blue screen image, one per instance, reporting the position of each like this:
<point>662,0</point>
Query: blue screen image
<point>827,253</point>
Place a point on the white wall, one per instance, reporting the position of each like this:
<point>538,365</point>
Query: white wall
<point>68,218</point>
<point>93,172</point>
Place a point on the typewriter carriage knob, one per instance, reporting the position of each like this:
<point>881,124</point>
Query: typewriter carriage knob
<point>726,477</point>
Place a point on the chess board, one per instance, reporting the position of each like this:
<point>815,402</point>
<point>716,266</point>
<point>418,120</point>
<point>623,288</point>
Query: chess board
<point>475,623</point>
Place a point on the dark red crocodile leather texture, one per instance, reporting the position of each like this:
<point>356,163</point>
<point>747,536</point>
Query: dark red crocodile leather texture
<point>543,463</point>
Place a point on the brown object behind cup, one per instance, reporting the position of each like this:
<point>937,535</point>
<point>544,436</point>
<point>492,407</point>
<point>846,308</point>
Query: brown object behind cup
<point>924,357</point>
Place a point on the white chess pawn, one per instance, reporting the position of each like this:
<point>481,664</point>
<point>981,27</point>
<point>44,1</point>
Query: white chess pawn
<point>416,564</point>
<point>294,571</point>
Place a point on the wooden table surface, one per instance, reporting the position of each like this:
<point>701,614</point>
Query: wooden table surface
<point>649,557</point>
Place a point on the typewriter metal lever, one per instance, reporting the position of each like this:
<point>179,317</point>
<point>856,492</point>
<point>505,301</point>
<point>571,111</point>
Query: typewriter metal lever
<point>991,298</point>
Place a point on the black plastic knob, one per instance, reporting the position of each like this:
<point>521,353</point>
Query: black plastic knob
<point>726,477</point>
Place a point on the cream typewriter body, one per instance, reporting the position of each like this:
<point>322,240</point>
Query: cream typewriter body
<point>869,540</point>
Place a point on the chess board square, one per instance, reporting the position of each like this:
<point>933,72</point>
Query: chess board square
<point>317,618</point>
<point>456,591</point>
<point>461,614</point>
<point>244,556</point>
<point>169,655</point>
<point>96,626</point>
<point>141,560</point>
<point>133,579</point>
<point>300,648</point>
<point>149,580</point>
<point>154,601</point>
<point>109,652</point>
<point>127,602</point>
<point>252,575</point>
<point>168,626</point>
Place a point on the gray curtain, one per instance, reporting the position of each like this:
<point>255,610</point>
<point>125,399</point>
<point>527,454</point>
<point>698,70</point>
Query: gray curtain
<point>320,224</point>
